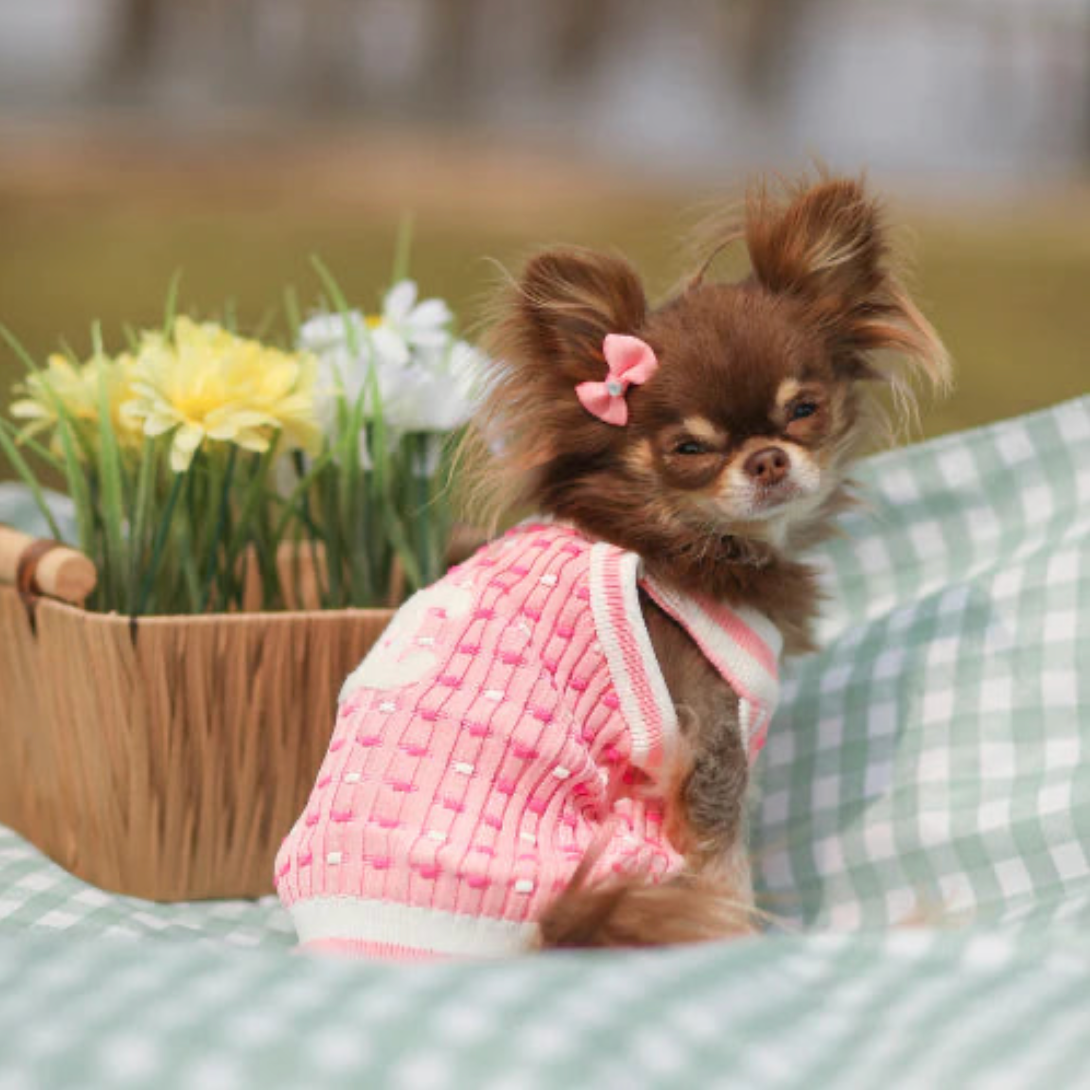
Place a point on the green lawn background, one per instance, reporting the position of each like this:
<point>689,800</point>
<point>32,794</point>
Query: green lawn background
<point>95,232</point>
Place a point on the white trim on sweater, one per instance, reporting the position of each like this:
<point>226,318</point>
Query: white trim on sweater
<point>745,672</point>
<point>358,919</point>
<point>755,682</point>
<point>650,741</point>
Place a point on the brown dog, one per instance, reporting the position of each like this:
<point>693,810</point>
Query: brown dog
<point>732,460</point>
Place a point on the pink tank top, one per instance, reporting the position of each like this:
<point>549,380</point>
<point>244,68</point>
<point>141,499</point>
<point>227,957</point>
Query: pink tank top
<point>511,715</point>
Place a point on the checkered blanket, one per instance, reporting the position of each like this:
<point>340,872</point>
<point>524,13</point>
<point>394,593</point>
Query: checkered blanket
<point>923,840</point>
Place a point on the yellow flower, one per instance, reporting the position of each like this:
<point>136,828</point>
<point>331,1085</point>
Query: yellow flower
<point>74,388</point>
<point>206,383</point>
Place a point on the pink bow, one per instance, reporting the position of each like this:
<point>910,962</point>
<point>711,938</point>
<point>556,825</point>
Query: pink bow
<point>631,363</point>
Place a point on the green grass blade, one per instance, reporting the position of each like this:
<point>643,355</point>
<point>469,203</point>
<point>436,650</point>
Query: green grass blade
<point>33,445</point>
<point>78,487</point>
<point>263,324</point>
<point>188,531</point>
<point>217,535</point>
<point>402,249</point>
<point>16,346</point>
<point>161,534</point>
<point>170,307</point>
<point>296,505</point>
<point>292,312</point>
<point>26,474</point>
<point>339,301</point>
<point>350,501</point>
<point>405,552</point>
<point>141,513</point>
<point>112,489</point>
<point>248,528</point>
<point>75,476</point>
<point>335,530</point>
<point>69,353</point>
<point>251,499</point>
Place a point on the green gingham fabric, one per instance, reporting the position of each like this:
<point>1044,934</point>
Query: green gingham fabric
<point>934,761</point>
<point>37,895</point>
<point>922,841</point>
<point>883,1010</point>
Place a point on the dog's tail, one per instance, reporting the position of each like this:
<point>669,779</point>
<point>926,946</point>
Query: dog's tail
<point>634,910</point>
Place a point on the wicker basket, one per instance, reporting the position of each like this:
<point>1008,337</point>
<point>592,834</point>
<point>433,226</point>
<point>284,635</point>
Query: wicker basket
<point>166,758</point>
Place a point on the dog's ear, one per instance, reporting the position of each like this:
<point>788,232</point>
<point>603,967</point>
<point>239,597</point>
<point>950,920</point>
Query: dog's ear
<point>827,244</point>
<point>565,304</point>
<point>819,241</point>
<point>545,338</point>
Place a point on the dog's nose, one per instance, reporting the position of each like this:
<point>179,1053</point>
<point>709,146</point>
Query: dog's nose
<point>768,466</point>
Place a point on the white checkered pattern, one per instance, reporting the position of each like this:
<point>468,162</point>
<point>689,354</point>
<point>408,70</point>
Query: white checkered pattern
<point>925,821</point>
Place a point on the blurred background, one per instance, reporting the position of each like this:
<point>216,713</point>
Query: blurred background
<point>234,138</point>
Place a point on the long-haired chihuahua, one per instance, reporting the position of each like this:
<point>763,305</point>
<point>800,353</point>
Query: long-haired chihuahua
<point>553,745</point>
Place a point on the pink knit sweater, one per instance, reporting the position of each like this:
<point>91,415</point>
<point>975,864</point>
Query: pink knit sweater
<point>510,716</point>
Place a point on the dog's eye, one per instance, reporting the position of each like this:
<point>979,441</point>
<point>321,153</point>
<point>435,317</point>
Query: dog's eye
<point>803,409</point>
<point>690,446</point>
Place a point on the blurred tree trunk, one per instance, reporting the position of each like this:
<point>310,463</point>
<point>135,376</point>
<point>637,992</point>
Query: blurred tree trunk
<point>582,29</point>
<point>1086,92</point>
<point>330,76</point>
<point>771,29</point>
<point>131,58</point>
<point>447,82</point>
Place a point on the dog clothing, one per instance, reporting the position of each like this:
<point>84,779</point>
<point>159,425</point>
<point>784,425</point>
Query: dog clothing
<point>511,716</point>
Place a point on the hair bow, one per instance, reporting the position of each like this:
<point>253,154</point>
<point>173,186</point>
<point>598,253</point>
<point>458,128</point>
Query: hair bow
<point>631,363</point>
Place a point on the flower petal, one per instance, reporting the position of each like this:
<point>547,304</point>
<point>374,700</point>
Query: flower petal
<point>390,347</point>
<point>32,429</point>
<point>227,423</point>
<point>434,340</point>
<point>399,301</point>
<point>324,331</point>
<point>249,439</point>
<point>157,423</point>
<point>183,448</point>
<point>188,437</point>
<point>29,410</point>
<point>431,313</point>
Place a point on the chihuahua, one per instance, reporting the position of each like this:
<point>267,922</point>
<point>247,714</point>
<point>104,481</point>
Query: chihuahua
<point>551,747</point>
<point>732,460</point>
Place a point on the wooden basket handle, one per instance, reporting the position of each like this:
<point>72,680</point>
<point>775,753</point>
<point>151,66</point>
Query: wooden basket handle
<point>36,566</point>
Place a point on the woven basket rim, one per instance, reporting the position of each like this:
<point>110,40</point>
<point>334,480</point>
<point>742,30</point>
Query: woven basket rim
<point>263,617</point>
<point>167,759</point>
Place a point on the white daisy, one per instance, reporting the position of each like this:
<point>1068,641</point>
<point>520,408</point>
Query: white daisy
<point>427,379</point>
<point>407,325</point>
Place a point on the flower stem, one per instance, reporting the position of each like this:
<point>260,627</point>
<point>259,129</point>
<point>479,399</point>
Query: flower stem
<point>160,542</point>
<point>217,533</point>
